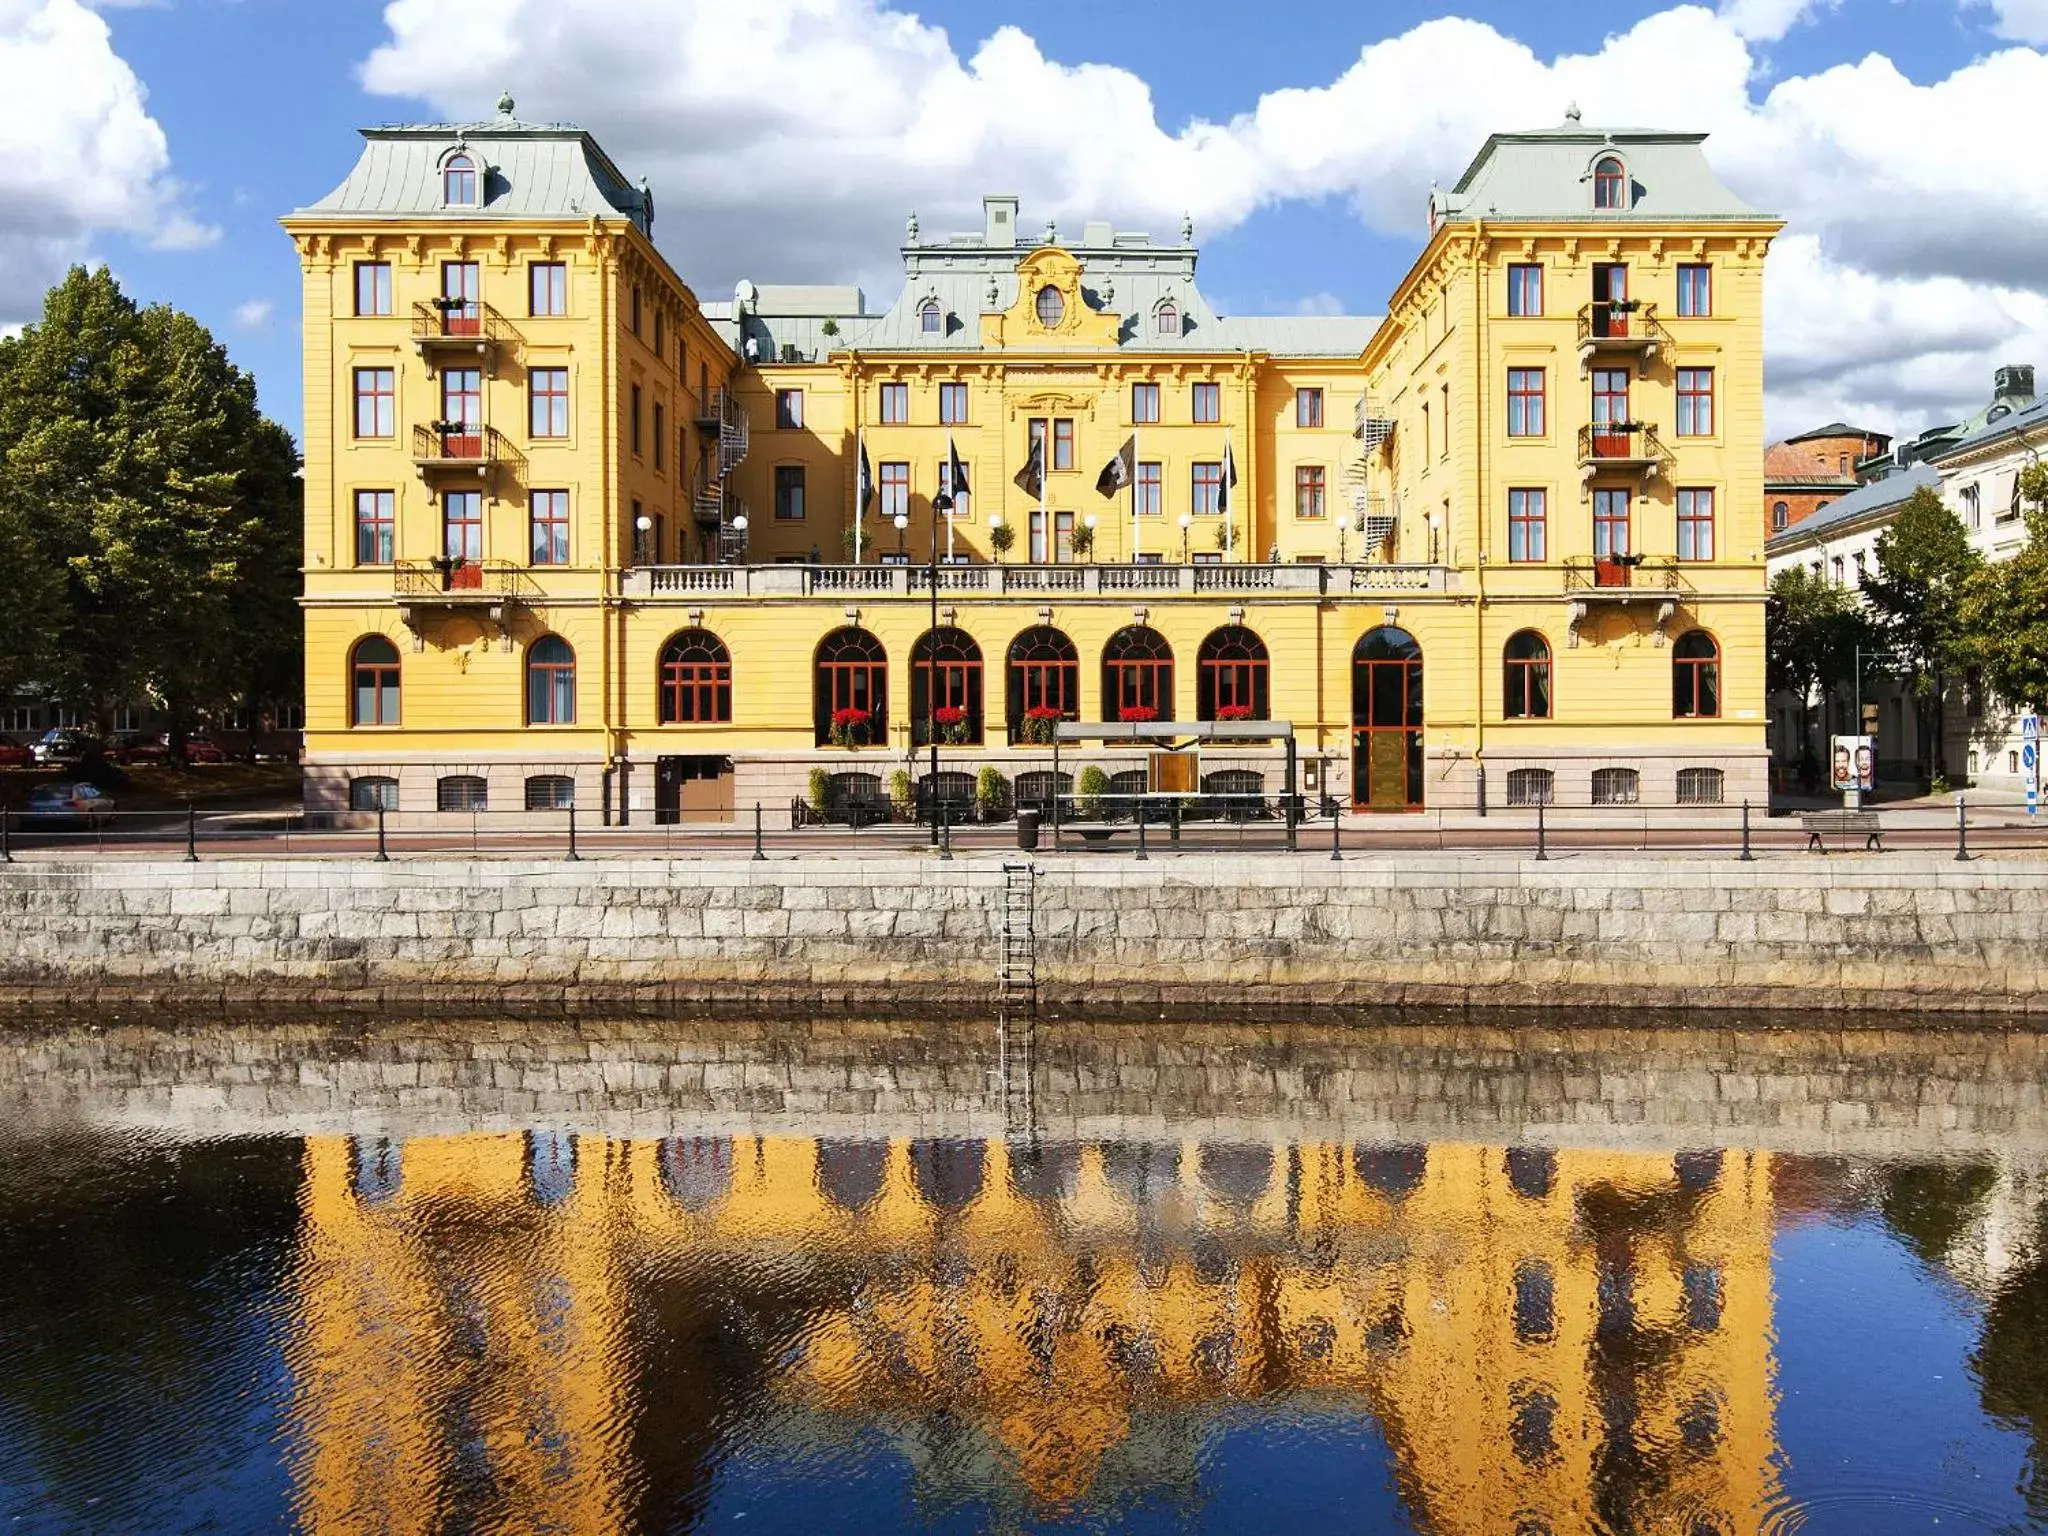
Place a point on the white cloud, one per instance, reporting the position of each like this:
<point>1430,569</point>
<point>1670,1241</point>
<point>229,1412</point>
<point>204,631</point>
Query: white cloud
<point>79,153</point>
<point>254,314</point>
<point>2024,21</point>
<point>788,138</point>
<point>1324,303</point>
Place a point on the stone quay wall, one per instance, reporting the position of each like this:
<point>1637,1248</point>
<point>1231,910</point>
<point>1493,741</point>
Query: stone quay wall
<point>1892,931</point>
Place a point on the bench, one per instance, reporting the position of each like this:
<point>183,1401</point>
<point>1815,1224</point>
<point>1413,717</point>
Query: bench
<point>1819,825</point>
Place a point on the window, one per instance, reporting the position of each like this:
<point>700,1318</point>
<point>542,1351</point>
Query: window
<point>1616,786</point>
<point>1150,489</point>
<point>461,792</point>
<point>1696,525</point>
<point>660,435</point>
<point>1525,687</point>
<point>1207,499</point>
<point>895,404</point>
<point>1208,403</point>
<point>458,181</point>
<point>952,405</point>
<point>547,288</point>
<point>1610,524</point>
<point>1308,490</point>
<point>1063,442</point>
<point>1531,786</point>
<point>462,534</point>
<point>550,682</point>
<point>633,310</point>
<point>789,493</point>
<point>1781,516</point>
<point>1447,421</point>
<point>1144,404</point>
<point>1167,319</point>
<point>852,679</point>
<point>1695,291</point>
<point>1696,677</point>
<point>931,319</point>
<point>547,402</point>
<point>373,288</point>
<point>373,680</point>
<point>373,794</point>
<point>1137,675</point>
<point>548,516</point>
<point>945,676</point>
<point>550,792</point>
<point>1527,525</point>
<point>1973,512</point>
<point>659,318</point>
<point>1525,402</point>
<point>1841,576</point>
<point>1044,674</point>
<point>1610,184</point>
<point>1525,290</point>
<point>1695,402</point>
<point>895,485</point>
<point>1050,307</point>
<point>1308,407</point>
<point>376,402</point>
<point>633,426</point>
<point>963,508</point>
<point>375,517</point>
<point>696,680</point>
<point>1861,569</point>
<point>462,311</point>
<point>1425,434</point>
<point>1699,786</point>
<point>789,409</point>
<point>1232,676</point>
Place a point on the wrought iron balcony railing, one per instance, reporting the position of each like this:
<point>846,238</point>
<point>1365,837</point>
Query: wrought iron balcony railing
<point>463,447</point>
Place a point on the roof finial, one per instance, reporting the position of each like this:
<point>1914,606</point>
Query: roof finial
<point>1571,113</point>
<point>1052,233</point>
<point>505,105</point>
<point>910,228</point>
<point>1187,229</point>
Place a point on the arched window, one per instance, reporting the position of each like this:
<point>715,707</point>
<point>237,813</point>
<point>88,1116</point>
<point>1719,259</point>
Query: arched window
<point>1531,786</point>
<point>931,319</point>
<point>1169,319</point>
<point>462,792</point>
<point>550,792</point>
<point>458,181</point>
<point>1386,720</point>
<point>1050,306</point>
<point>1231,675</point>
<point>696,680</point>
<point>945,687</point>
<point>373,682</point>
<point>1781,514</point>
<point>851,688</point>
<point>1699,786</point>
<point>1525,685</point>
<point>1044,675</point>
<point>1696,677</point>
<point>373,794</point>
<point>550,682</point>
<point>1610,184</point>
<point>1137,675</point>
<point>1617,786</point>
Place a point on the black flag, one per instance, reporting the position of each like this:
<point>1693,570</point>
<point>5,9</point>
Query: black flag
<point>1223,496</point>
<point>956,473</point>
<point>1121,470</point>
<point>864,490</point>
<point>1031,478</point>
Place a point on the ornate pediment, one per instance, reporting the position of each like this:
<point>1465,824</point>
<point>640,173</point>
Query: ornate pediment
<point>1050,308</point>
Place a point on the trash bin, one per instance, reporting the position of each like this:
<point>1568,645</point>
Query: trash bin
<point>1027,831</point>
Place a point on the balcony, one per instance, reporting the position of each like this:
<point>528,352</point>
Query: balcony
<point>445,451</point>
<point>1604,584</point>
<point>1621,447</point>
<point>450,333</point>
<point>1620,328</point>
<point>1312,582</point>
<point>425,589</point>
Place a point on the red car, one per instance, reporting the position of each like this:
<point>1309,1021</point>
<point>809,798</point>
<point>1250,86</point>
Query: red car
<point>201,749</point>
<point>131,747</point>
<point>15,754</point>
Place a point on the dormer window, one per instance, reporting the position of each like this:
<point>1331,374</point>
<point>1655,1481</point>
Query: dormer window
<point>458,181</point>
<point>1169,319</point>
<point>1610,184</point>
<point>1050,307</point>
<point>931,319</point>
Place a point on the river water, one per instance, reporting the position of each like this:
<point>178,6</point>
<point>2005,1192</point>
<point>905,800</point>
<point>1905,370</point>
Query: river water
<point>760,1276</point>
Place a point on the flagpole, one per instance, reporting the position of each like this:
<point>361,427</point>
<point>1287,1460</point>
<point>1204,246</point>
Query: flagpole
<point>1229,501</point>
<point>1052,547</point>
<point>860,457</point>
<point>1134,488</point>
<point>952,491</point>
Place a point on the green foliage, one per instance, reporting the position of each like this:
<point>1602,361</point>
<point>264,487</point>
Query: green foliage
<point>1002,538</point>
<point>1092,785</point>
<point>991,791</point>
<point>1811,636</point>
<point>830,327</point>
<point>1084,542</point>
<point>2005,607</point>
<point>152,514</point>
<point>815,791</point>
<point>901,795</point>
<point>1924,565</point>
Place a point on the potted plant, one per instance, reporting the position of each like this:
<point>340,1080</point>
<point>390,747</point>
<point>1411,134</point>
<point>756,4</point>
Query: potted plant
<point>901,796</point>
<point>1039,721</point>
<point>991,793</point>
<point>850,727</point>
<point>951,721</point>
<point>820,786</point>
<point>1091,787</point>
<point>1083,542</point>
<point>1002,538</point>
<point>1234,712</point>
<point>1137,714</point>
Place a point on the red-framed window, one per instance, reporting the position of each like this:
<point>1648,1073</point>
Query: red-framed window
<point>547,288</point>
<point>1206,497</point>
<point>458,181</point>
<point>548,397</point>
<point>549,519</point>
<point>376,526</point>
<point>550,682</point>
<point>1151,488</point>
<point>953,405</point>
<point>1610,413</point>
<point>1063,442</point>
<point>462,412</point>
<point>373,288</point>
<point>1696,677</point>
<point>1695,402</point>
<point>1144,404</point>
<point>1610,184</point>
<point>1137,675</point>
<point>895,484</point>
<point>462,531</point>
<point>895,401</point>
<point>945,676</point>
<point>1044,673</point>
<point>1308,407</point>
<point>1695,291</point>
<point>1207,404</point>
<point>1610,523</point>
<point>376,402</point>
<point>1525,684</point>
<point>1525,402</point>
<point>462,312</point>
<point>373,682</point>
<point>1525,290</point>
<point>789,409</point>
<point>851,673</point>
<point>1232,676</point>
<point>1308,490</point>
<point>1696,524</point>
<point>1528,525</point>
<point>696,680</point>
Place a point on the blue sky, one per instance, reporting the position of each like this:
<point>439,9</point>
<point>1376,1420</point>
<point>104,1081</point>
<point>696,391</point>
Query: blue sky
<point>791,149</point>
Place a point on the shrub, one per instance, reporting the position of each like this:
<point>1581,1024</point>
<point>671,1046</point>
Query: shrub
<point>1092,786</point>
<point>991,792</point>
<point>901,794</point>
<point>821,783</point>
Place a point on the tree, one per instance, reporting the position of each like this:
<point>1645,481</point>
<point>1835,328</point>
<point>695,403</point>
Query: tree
<point>157,511</point>
<point>2005,607</point>
<point>1924,562</point>
<point>1811,638</point>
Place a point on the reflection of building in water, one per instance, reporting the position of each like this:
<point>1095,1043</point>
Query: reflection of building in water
<point>1550,1340</point>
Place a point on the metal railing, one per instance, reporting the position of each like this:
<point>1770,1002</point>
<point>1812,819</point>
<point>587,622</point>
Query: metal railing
<point>903,580</point>
<point>459,323</point>
<point>454,580</point>
<point>461,445</point>
<point>1621,442</point>
<point>1619,323</point>
<point>1584,573</point>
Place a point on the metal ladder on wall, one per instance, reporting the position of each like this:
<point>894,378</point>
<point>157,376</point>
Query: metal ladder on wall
<point>1017,966</point>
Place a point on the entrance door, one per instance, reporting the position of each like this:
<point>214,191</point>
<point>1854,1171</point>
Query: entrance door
<point>1610,293</point>
<point>690,789</point>
<point>462,313</point>
<point>1386,722</point>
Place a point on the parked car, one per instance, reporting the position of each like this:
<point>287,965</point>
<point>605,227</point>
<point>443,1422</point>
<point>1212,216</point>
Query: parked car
<point>200,748</point>
<point>67,805</point>
<point>15,754</point>
<point>66,747</point>
<point>130,747</point>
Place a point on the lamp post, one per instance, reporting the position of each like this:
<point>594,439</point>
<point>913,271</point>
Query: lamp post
<point>1436,526</point>
<point>1088,522</point>
<point>640,526</point>
<point>739,526</point>
<point>995,526</point>
<point>1186,522</point>
<point>902,522</point>
<point>941,504</point>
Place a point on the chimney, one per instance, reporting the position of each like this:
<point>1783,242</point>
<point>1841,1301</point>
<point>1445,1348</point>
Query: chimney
<point>999,220</point>
<point>2015,381</point>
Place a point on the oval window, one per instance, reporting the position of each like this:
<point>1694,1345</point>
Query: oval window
<point>1051,306</point>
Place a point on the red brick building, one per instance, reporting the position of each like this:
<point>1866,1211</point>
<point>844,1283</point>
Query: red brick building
<point>1805,473</point>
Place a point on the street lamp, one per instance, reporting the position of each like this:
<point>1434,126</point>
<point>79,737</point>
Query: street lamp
<point>640,526</point>
<point>902,521</point>
<point>1436,524</point>
<point>739,526</point>
<point>1186,522</point>
<point>1088,522</point>
<point>995,535</point>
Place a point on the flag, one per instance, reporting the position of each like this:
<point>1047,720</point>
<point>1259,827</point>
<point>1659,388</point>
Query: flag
<point>864,490</point>
<point>1121,470</point>
<point>1031,478</point>
<point>1223,497</point>
<point>956,473</point>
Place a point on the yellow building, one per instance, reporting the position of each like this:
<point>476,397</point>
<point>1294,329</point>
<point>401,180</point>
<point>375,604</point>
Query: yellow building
<point>1549,1340</point>
<point>572,535</point>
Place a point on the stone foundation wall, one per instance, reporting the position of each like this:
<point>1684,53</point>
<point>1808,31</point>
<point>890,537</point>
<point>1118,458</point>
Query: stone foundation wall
<point>1898,930</point>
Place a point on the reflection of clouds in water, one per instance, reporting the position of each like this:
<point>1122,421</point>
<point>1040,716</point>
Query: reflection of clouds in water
<point>551,1165</point>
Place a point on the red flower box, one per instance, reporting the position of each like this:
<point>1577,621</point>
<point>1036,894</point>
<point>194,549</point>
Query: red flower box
<point>844,717</point>
<point>1138,714</point>
<point>1234,712</point>
<point>1042,712</point>
<point>951,714</point>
